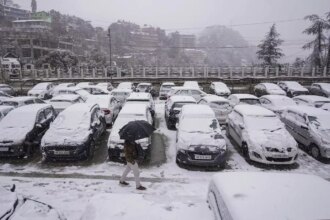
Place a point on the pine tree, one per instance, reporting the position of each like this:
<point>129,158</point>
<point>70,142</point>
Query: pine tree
<point>269,50</point>
<point>34,6</point>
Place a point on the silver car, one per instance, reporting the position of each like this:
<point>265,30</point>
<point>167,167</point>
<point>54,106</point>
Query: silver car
<point>219,105</point>
<point>310,127</point>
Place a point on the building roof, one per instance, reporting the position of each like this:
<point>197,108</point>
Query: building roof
<point>253,110</point>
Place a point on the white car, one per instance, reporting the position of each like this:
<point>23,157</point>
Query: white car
<point>248,99</point>
<point>108,104</point>
<point>61,102</point>
<point>276,103</point>
<point>199,140</point>
<point>268,89</point>
<point>126,85</point>
<point>22,100</point>
<point>220,89</point>
<point>42,90</point>
<point>311,100</point>
<point>268,195</point>
<point>108,86</point>
<point>121,94</point>
<point>261,135</point>
<point>192,84</point>
<point>182,91</point>
<point>4,110</point>
<point>164,89</point>
<point>96,90</point>
<point>81,84</point>
<point>61,86</point>
<point>72,91</point>
<point>219,105</point>
<point>143,98</point>
<point>293,88</point>
<point>144,87</point>
<point>129,112</point>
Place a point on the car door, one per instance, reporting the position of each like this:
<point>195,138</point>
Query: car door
<point>96,123</point>
<point>301,129</point>
<point>234,122</point>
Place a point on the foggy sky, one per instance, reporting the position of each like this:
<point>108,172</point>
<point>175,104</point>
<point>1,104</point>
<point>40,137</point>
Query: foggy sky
<point>191,16</point>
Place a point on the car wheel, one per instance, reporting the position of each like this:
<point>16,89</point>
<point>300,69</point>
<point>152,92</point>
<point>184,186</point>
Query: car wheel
<point>245,151</point>
<point>91,150</point>
<point>315,151</point>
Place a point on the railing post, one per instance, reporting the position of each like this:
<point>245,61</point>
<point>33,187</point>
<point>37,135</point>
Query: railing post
<point>156,71</point>
<point>219,72</point>
<point>266,71</point>
<point>254,72</point>
<point>58,73</point>
<point>180,71</point>
<point>81,72</point>
<point>277,69</point>
<point>47,73</point>
<point>289,71</point>
<point>302,71</point>
<point>207,72</point>
<point>132,72</point>
<point>230,72</point>
<point>313,72</point>
<point>118,72</point>
<point>144,72</point>
<point>70,72</point>
<point>192,71</point>
<point>325,71</point>
<point>243,71</point>
<point>168,72</point>
<point>93,73</point>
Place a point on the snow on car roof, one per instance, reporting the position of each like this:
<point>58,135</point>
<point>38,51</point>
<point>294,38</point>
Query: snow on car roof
<point>312,98</point>
<point>215,98</point>
<point>67,97</point>
<point>133,108</point>
<point>5,107</point>
<point>121,90</point>
<point>102,100</point>
<point>30,108</point>
<point>20,98</point>
<point>253,110</point>
<point>139,95</point>
<point>219,83</point>
<point>271,85</point>
<point>181,98</point>
<point>144,84</point>
<point>195,109</point>
<point>262,195</point>
<point>41,85</point>
<point>245,96</point>
<point>308,110</point>
<point>276,97</point>
<point>168,84</point>
<point>293,84</point>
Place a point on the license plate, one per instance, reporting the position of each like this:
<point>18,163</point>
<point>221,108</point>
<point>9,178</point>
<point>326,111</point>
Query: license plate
<point>4,149</point>
<point>203,157</point>
<point>279,156</point>
<point>122,154</point>
<point>62,152</point>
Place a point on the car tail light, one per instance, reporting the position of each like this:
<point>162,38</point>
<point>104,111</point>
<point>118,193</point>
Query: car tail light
<point>106,111</point>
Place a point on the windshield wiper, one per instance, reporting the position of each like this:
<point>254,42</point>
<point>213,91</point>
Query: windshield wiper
<point>275,129</point>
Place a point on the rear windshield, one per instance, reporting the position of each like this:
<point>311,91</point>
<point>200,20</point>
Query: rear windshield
<point>250,101</point>
<point>181,104</point>
<point>10,103</point>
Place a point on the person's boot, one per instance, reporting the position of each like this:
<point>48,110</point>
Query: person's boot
<point>123,183</point>
<point>141,188</point>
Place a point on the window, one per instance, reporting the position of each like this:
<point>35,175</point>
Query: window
<point>29,102</point>
<point>39,101</point>
<point>265,101</point>
<point>203,102</point>
<point>195,92</point>
<point>41,117</point>
<point>48,113</point>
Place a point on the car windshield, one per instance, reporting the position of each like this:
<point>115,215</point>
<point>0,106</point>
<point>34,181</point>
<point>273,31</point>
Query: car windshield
<point>198,124</point>
<point>264,123</point>
<point>285,101</point>
<point>178,105</point>
<point>18,120</point>
<point>220,104</point>
<point>250,101</point>
<point>82,92</point>
<point>320,103</point>
<point>322,122</point>
<point>10,103</point>
<point>41,86</point>
<point>72,120</point>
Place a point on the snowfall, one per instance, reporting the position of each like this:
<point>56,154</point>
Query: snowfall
<point>92,192</point>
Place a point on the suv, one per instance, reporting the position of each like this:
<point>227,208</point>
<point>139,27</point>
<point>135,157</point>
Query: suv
<point>293,88</point>
<point>310,127</point>
<point>22,129</point>
<point>268,89</point>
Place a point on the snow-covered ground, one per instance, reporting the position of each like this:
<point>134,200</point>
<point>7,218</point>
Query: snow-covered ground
<point>173,192</point>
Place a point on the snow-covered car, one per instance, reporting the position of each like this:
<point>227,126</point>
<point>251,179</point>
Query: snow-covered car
<point>143,98</point>
<point>21,101</point>
<point>4,96</point>
<point>4,110</point>
<point>73,133</point>
<point>326,106</point>
<point>310,127</point>
<point>130,112</point>
<point>311,100</point>
<point>164,89</point>
<point>144,87</point>
<point>268,195</point>
<point>173,108</point>
<point>7,89</point>
<point>72,91</point>
<point>276,103</point>
<point>219,105</point>
<point>121,94</point>
<point>18,207</point>
<point>199,140</point>
<point>42,90</point>
<point>109,106</point>
<point>182,91</point>
<point>321,89</point>
<point>238,99</point>
<point>268,89</point>
<point>96,90</point>
<point>61,102</point>
<point>62,86</point>
<point>22,129</point>
<point>220,89</point>
<point>81,84</point>
<point>126,86</point>
<point>293,88</point>
<point>261,136</point>
<point>192,84</point>
<point>106,85</point>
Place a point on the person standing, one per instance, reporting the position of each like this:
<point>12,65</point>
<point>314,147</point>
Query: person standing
<point>131,156</point>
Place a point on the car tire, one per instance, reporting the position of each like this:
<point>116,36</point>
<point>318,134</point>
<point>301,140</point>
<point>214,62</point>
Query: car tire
<point>315,151</point>
<point>245,151</point>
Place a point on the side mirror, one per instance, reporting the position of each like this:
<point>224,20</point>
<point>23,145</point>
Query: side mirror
<point>241,125</point>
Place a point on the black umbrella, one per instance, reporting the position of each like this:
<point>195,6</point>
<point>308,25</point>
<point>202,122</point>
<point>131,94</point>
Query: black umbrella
<point>136,130</point>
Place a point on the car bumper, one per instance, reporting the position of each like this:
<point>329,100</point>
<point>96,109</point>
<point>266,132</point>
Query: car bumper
<point>189,158</point>
<point>12,150</point>
<point>275,159</point>
<point>65,152</point>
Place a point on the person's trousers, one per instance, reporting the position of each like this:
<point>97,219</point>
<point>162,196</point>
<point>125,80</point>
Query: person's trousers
<point>136,172</point>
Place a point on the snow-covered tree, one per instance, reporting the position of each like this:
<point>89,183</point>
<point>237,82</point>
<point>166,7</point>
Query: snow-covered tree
<point>269,50</point>
<point>34,6</point>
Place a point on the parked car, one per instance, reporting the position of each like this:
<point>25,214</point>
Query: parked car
<point>143,98</point>
<point>74,132</point>
<point>173,108</point>
<point>4,96</point>
<point>236,99</point>
<point>310,127</point>
<point>15,207</point>
<point>186,91</point>
<point>321,89</point>
<point>220,89</point>
<point>4,110</point>
<point>164,89</point>
<point>109,105</point>
<point>42,90</point>
<point>311,100</point>
<point>21,101</point>
<point>268,89</point>
<point>326,106</point>
<point>276,103</point>
<point>199,140</point>
<point>272,195</point>
<point>219,105</point>
<point>261,136</point>
<point>82,84</point>
<point>129,112</point>
<point>62,86</point>
<point>61,102</point>
<point>7,89</point>
<point>126,86</point>
<point>72,91</point>
<point>96,90</point>
<point>22,129</point>
<point>192,84</point>
<point>144,87</point>
<point>293,88</point>
<point>121,94</point>
<point>106,85</point>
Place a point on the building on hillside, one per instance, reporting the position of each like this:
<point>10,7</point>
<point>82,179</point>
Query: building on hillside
<point>32,25</point>
<point>143,41</point>
<point>11,12</point>
<point>196,57</point>
<point>182,40</point>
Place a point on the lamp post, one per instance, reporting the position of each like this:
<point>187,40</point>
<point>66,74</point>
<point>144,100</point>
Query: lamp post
<point>109,35</point>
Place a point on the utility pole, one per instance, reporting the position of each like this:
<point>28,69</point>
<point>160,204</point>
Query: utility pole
<point>109,35</point>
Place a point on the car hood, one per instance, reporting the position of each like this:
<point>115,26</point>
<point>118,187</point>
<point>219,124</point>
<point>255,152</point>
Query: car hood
<point>36,92</point>
<point>13,135</point>
<point>65,137</point>
<point>276,92</point>
<point>222,90</point>
<point>187,139</point>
